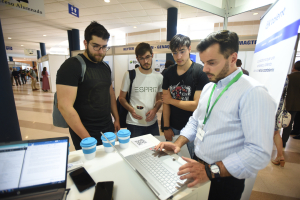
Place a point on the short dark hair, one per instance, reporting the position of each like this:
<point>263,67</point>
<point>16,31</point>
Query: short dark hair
<point>168,63</point>
<point>228,41</point>
<point>179,41</point>
<point>238,62</point>
<point>297,65</point>
<point>142,48</point>
<point>95,29</point>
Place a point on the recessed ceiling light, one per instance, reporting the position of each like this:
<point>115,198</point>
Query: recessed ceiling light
<point>44,35</point>
<point>255,13</point>
<point>134,27</point>
<point>22,45</point>
<point>107,1</point>
<point>9,38</point>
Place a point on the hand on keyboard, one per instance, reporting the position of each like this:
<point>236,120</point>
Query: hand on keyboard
<point>169,146</point>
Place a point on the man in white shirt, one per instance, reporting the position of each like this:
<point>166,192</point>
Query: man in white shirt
<point>233,125</point>
<point>145,98</point>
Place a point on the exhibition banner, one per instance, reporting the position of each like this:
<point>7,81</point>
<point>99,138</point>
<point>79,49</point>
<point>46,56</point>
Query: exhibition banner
<point>32,6</point>
<point>274,51</point>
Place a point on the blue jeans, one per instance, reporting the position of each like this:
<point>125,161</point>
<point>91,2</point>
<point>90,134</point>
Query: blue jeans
<point>190,145</point>
<point>143,130</point>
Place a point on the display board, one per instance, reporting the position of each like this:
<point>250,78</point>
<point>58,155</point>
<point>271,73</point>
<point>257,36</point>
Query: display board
<point>274,51</point>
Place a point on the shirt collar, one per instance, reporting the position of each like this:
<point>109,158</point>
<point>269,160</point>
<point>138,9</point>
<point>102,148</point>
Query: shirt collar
<point>227,79</point>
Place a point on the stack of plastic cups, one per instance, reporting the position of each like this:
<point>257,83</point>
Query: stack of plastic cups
<point>88,146</point>
<point>112,138</point>
<point>124,138</point>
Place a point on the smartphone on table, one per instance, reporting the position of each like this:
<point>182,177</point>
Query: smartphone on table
<point>82,179</point>
<point>104,190</point>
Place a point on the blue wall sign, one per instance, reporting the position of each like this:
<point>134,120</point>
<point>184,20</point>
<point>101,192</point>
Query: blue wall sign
<point>73,10</point>
<point>9,48</point>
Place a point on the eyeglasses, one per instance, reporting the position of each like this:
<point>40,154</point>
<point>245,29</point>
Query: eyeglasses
<point>98,48</point>
<point>141,59</point>
<point>181,52</point>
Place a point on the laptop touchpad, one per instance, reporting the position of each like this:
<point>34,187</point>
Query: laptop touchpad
<point>171,165</point>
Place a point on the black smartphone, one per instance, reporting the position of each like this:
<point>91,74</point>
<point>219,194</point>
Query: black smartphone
<point>82,179</point>
<point>104,190</point>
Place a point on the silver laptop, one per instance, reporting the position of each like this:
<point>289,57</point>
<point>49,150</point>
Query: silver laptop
<point>34,169</point>
<point>158,169</point>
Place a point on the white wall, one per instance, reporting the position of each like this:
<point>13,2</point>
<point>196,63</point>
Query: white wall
<point>55,61</point>
<point>120,67</point>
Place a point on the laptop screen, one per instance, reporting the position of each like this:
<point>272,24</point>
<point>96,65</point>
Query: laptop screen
<point>31,165</point>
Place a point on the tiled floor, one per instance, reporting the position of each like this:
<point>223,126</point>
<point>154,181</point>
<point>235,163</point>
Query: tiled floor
<point>34,110</point>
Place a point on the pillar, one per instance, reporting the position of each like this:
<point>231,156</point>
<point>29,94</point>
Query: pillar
<point>11,58</point>
<point>43,49</point>
<point>171,28</point>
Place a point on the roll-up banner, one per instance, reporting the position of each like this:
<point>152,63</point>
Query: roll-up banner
<point>274,51</point>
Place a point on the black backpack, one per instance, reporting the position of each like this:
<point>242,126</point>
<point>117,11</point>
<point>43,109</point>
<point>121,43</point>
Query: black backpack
<point>121,110</point>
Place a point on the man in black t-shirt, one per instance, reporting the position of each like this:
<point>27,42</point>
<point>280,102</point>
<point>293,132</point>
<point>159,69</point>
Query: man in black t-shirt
<point>87,106</point>
<point>182,86</point>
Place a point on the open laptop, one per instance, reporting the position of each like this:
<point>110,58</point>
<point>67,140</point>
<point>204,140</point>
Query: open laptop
<point>158,169</point>
<point>34,169</point>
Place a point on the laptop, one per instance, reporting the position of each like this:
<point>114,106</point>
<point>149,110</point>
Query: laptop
<point>158,169</point>
<point>34,169</point>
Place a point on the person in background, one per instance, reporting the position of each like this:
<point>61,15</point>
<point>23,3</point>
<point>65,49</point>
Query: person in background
<point>136,66</point>
<point>46,85</point>
<point>37,78</point>
<point>239,64</point>
<point>23,74</point>
<point>16,75</point>
<point>33,76</point>
<point>167,64</point>
<point>11,76</point>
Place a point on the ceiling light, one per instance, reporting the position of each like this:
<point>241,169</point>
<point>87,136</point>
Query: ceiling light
<point>134,27</point>
<point>9,38</point>
<point>255,13</point>
<point>44,35</point>
<point>22,45</point>
<point>107,1</point>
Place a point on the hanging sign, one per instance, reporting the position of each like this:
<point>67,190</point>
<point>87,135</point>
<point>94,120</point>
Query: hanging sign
<point>32,6</point>
<point>9,48</point>
<point>73,10</point>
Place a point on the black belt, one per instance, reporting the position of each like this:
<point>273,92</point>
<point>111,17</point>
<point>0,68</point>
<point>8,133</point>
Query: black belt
<point>199,160</point>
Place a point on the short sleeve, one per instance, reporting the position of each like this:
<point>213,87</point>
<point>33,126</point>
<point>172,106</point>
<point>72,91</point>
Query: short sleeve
<point>166,82</point>
<point>69,73</point>
<point>202,80</point>
<point>126,82</point>
<point>160,83</point>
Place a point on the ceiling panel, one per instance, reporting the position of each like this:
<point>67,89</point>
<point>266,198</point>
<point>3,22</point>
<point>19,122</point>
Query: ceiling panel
<point>144,19</point>
<point>132,6</point>
<point>152,12</point>
<point>124,14</point>
<point>150,4</point>
<point>138,13</point>
<point>127,20</point>
<point>115,8</point>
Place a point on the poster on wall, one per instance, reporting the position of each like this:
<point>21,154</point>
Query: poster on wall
<point>159,65</point>
<point>132,63</point>
<point>274,50</point>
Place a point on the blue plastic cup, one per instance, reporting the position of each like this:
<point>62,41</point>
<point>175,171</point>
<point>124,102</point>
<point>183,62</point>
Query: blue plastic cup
<point>88,146</point>
<point>124,138</point>
<point>112,138</point>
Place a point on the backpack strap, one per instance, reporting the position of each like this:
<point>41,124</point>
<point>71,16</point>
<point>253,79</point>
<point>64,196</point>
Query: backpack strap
<point>106,65</point>
<point>83,66</point>
<point>132,75</point>
<point>195,73</point>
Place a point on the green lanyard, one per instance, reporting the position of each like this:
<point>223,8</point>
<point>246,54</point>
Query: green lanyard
<point>226,88</point>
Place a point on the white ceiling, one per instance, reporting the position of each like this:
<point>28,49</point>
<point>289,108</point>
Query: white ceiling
<point>118,15</point>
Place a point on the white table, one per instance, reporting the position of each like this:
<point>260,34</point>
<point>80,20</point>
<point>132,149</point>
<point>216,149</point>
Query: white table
<point>127,184</point>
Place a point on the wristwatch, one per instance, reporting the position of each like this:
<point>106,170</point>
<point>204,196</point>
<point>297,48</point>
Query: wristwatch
<point>214,168</point>
<point>166,128</point>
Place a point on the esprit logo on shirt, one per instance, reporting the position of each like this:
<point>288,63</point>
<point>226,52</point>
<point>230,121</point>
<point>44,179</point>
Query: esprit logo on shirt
<point>145,89</point>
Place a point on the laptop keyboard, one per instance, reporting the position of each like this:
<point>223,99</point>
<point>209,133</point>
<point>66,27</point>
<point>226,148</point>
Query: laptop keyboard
<point>153,165</point>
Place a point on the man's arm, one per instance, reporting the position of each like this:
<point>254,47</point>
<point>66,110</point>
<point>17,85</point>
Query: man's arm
<point>125,104</point>
<point>151,113</point>
<point>114,110</point>
<point>66,96</point>
<point>166,115</point>
<point>184,105</point>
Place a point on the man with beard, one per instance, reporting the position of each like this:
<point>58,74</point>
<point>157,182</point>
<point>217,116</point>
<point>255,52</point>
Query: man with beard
<point>145,98</point>
<point>233,125</point>
<point>87,106</point>
<point>182,87</point>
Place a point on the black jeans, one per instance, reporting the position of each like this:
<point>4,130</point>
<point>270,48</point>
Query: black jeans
<point>296,127</point>
<point>18,82</point>
<point>226,188</point>
<point>23,79</point>
<point>286,131</point>
<point>143,130</point>
<point>93,133</point>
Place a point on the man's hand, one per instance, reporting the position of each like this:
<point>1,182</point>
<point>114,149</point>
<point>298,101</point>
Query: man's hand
<point>193,170</point>
<point>169,146</point>
<point>150,115</point>
<point>134,115</point>
<point>117,125</point>
<point>166,97</point>
<point>169,134</point>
